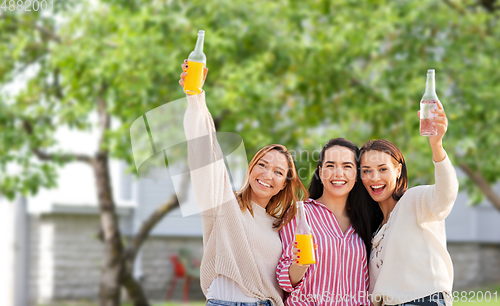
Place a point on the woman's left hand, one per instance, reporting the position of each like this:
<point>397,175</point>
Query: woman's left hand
<point>441,124</point>
<point>436,141</point>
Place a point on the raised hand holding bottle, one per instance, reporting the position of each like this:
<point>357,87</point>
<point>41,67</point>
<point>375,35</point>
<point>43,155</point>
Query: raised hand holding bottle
<point>427,104</point>
<point>196,67</point>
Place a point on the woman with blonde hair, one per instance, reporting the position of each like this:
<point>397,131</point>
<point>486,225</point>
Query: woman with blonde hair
<point>241,243</point>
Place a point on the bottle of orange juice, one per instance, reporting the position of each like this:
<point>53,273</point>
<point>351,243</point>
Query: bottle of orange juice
<point>196,67</point>
<point>303,236</point>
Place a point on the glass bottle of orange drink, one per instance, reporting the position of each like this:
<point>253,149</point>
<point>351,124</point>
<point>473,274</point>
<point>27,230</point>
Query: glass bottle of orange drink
<point>196,67</point>
<point>303,236</point>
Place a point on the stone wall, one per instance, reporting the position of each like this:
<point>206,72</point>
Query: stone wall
<point>66,256</point>
<point>158,269</point>
<point>475,264</point>
<point>65,260</point>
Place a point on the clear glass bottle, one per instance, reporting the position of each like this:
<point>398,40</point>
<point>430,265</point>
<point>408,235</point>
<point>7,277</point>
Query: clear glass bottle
<point>197,62</point>
<point>303,236</point>
<point>427,104</point>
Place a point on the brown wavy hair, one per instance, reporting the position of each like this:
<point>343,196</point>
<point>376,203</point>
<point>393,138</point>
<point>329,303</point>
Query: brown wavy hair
<point>388,147</point>
<point>281,206</point>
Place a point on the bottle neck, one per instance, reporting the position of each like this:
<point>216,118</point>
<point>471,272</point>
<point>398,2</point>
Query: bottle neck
<point>430,86</point>
<point>302,226</point>
<point>300,211</point>
<point>199,44</point>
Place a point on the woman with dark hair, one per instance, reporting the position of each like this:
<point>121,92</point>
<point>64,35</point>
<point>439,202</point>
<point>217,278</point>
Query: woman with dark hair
<point>409,262</point>
<point>241,243</point>
<point>338,215</point>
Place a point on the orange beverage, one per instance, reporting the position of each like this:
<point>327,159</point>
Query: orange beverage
<point>304,238</point>
<point>197,62</point>
<point>305,244</point>
<point>194,78</point>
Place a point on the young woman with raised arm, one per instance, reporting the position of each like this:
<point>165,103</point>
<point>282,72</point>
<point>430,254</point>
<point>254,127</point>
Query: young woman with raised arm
<point>409,262</point>
<point>241,243</point>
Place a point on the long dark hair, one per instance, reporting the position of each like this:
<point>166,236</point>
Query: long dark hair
<point>387,147</point>
<point>358,203</point>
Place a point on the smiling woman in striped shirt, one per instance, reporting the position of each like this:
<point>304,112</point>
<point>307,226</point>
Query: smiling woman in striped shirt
<point>338,214</point>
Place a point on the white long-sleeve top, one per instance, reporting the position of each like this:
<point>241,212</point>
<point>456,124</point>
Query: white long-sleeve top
<point>409,259</point>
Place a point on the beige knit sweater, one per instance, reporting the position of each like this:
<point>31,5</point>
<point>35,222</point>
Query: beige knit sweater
<point>409,259</point>
<point>243,248</point>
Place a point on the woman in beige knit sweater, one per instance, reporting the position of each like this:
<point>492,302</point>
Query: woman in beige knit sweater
<point>409,263</point>
<point>240,230</point>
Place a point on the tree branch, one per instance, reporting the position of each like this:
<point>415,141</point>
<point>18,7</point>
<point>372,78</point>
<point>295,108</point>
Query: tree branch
<point>134,290</point>
<point>489,5</point>
<point>53,157</point>
<point>104,118</point>
<point>457,8</point>
<point>51,35</point>
<point>63,157</point>
<point>219,119</point>
<point>57,84</point>
<point>482,184</point>
<point>22,69</point>
<point>156,217</point>
<point>149,224</point>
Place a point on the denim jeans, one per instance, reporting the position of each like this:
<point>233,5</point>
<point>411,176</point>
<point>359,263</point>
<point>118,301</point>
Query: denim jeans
<point>437,299</point>
<point>437,302</point>
<point>226,303</point>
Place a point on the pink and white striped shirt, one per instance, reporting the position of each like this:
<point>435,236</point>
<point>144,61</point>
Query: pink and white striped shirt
<point>340,274</point>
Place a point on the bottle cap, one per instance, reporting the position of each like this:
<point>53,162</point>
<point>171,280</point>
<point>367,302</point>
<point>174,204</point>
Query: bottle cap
<point>201,33</point>
<point>430,71</point>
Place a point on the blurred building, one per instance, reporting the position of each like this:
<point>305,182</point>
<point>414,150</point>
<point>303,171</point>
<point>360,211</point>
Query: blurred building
<point>473,235</point>
<point>65,253</point>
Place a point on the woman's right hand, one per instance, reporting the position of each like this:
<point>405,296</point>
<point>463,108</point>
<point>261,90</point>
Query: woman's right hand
<point>297,271</point>
<point>184,74</point>
<point>296,254</point>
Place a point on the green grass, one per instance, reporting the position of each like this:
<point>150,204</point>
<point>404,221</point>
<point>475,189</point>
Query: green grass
<point>465,298</point>
<point>471,297</point>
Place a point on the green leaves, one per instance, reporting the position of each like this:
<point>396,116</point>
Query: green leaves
<point>297,73</point>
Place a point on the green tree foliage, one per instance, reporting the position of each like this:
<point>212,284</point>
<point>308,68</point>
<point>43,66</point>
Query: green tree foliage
<point>281,71</point>
<point>291,72</point>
